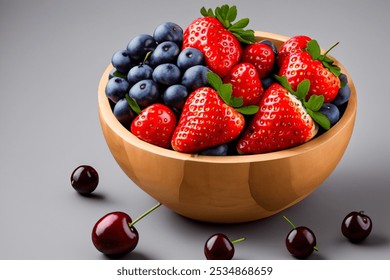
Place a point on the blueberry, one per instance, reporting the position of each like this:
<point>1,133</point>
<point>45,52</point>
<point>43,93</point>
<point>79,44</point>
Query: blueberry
<point>195,77</point>
<point>175,96</point>
<point>138,73</point>
<point>139,46</point>
<point>221,150</point>
<point>145,93</point>
<point>124,113</point>
<point>121,61</point>
<point>267,81</point>
<point>166,74</point>
<point>272,45</point>
<point>116,89</point>
<point>343,79</point>
<point>331,111</point>
<point>342,96</point>
<point>189,57</point>
<point>168,31</point>
<point>166,52</point>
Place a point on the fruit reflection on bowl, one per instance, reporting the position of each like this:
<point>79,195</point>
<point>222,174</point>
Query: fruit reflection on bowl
<point>228,189</point>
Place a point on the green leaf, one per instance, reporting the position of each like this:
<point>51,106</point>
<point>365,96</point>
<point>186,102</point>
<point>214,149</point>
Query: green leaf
<point>133,104</point>
<point>320,119</point>
<point>302,89</point>
<point>210,13</point>
<point>232,14</point>
<point>284,83</point>
<point>248,110</point>
<point>214,80</point>
<point>225,92</point>
<point>203,12</point>
<point>325,59</point>
<point>244,40</point>
<point>335,70</point>
<point>220,18</point>
<point>314,49</point>
<point>315,102</point>
<point>224,11</point>
<point>236,101</point>
<point>119,74</point>
<point>242,23</point>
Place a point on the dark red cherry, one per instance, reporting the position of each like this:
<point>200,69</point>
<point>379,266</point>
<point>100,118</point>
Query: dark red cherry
<point>84,179</point>
<point>112,234</point>
<point>219,247</point>
<point>356,226</point>
<point>300,241</point>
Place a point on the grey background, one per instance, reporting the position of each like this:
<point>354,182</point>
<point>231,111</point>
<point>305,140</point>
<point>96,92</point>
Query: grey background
<point>52,55</point>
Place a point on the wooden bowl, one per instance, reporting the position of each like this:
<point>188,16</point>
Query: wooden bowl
<point>227,189</point>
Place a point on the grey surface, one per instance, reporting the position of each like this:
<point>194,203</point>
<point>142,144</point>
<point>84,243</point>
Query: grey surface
<point>52,54</point>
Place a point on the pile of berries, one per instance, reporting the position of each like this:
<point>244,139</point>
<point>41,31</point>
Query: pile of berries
<point>213,89</point>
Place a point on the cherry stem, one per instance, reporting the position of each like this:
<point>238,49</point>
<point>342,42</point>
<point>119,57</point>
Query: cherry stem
<point>238,240</point>
<point>315,248</point>
<point>144,214</point>
<point>288,221</point>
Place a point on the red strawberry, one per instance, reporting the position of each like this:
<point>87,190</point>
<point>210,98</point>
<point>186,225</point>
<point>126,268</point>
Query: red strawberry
<point>217,38</point>
<point>207,120</point>
<point>246,83</point>
<point>284,120</point>
<point>261,56</point>
<point>155,125</point>
<point>293,45</point>
<point>312,65</point>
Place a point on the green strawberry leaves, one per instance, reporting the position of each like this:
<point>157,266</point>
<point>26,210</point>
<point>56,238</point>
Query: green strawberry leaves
<point>315,52</point>
<point>133,104</point>
<point>227,15</point>
<point>225,91</point>
<point>312,106</point>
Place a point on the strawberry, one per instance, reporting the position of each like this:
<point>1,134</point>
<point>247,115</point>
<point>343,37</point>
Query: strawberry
<point>218,38</point>
<point>318,68</point>
<point>293,45</point>
<point>261,56</point>
<point>284,120</point>
<point>246,83</point>
<point>209,118</point>
<point>155,124</point>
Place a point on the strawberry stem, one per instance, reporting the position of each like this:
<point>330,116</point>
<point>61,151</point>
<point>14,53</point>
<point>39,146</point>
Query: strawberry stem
<point>144,214</point>
<point>331,48</point>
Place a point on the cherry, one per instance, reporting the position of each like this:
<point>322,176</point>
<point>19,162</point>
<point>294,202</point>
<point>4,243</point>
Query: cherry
<point>84,179</point>
<point>219,247</point>
<point>300,241</point>
<point>356,226</point>
<point>115,234</point>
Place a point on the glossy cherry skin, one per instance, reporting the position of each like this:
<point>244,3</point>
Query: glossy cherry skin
<point>301,242</point>
<point>219,247</point>
<point>112,235</point>
<point>84,179</point>
<point>356,226</point>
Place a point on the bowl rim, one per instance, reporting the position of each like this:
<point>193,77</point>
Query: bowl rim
<point>106,115</point>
